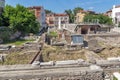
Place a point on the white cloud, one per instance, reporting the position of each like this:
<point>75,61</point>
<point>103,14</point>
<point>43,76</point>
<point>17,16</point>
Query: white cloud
<point>89,3</point>
<point>90,8</point>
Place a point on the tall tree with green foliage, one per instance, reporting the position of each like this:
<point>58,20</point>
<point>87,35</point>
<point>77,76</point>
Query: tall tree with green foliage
<point>8,11</point>
<point>72,13</point>
<point>48,11</point>
<point>20,19</point>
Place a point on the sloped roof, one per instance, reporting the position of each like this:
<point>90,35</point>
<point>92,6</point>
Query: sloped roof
<point>35,7</point>
<point>118,6</point>
<point>109,11</point>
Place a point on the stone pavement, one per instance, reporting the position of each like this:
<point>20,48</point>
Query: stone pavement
<point>77,73</point>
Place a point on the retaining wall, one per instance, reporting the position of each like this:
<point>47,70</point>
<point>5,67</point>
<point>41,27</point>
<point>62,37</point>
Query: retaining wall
<point>105,36</point>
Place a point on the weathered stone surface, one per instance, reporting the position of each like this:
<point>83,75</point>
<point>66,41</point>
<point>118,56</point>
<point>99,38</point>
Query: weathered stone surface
<point>15,35</point>
<point>55,74</point>
<point>94,46</point>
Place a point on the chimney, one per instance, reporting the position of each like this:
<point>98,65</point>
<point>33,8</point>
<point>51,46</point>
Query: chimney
<point>113,6</point>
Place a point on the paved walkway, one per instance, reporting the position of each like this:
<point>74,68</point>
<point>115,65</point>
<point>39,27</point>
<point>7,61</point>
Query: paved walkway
<point>116,29</point>
<point>28,74</point>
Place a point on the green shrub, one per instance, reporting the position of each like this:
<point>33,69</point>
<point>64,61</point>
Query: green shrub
<point>119,25</point>
<point>114,78</point>
<point>53,34</point>
<point>5,34</point>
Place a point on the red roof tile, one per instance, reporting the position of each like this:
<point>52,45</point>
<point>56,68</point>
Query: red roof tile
<point>83,11</point>
<point>60,14</point>
<point>35,7</point>
<point>118,6</point>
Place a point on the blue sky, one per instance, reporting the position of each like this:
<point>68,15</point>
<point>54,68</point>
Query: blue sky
<point>59,6</point>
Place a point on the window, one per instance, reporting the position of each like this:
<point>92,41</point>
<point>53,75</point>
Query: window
<point>77,39</point>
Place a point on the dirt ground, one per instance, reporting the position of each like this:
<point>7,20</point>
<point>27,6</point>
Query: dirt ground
<point>111,49</point>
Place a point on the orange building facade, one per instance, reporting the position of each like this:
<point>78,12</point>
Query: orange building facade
<point>40,15</point>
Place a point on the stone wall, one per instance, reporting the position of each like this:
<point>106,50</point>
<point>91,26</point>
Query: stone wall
<point>105,36</point>
<point>74,73</point>
<point>67,70</point>
<point>26,47</point>
<point>74,76</point>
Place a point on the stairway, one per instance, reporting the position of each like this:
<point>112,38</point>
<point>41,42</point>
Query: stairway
<point>70,27</point>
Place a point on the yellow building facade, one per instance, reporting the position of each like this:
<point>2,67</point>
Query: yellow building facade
<point>80,16</point>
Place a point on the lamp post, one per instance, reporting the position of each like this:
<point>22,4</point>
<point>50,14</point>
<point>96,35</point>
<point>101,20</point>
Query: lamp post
<point>59,23</point>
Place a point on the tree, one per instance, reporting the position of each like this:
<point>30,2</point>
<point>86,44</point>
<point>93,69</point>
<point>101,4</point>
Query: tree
<point>20,19</point>
<point>71,15</point>
<point>0,20</point>
<point>53,34</point>
<point>8,11</point>
<point>89,18</point>
<point>48,11</point>
<point>119,25</point>
<point>102,19</point>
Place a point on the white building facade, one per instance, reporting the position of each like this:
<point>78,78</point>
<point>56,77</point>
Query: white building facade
<point>116,14</point>
<point>61,20</point>
<point>57,21</point>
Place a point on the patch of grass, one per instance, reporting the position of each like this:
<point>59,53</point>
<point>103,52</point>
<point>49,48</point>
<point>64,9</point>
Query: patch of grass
<point>53,34</point>
<point>17,42</point>
<point>50,53</point>
<point>115,52</point>
<point>18,58</point>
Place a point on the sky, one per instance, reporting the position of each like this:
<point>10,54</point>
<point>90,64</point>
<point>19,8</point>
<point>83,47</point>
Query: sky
<point>59,6</point>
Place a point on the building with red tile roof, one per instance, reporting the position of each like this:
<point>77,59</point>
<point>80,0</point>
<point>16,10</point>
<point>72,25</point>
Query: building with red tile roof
<point>116,14</point>
<point>57,20</point>
<point>109,13</point>
<point>60,15</point>
<point>50,19</point>
<point>79,17</point>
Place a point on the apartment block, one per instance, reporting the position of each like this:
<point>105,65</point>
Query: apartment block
<point>61,20</point>
<point>40,15</point>
<point>114,13</point>
<point>57,20</point>
<point>109,13</point>
<point>2,5</point>
<point>50,20</point>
